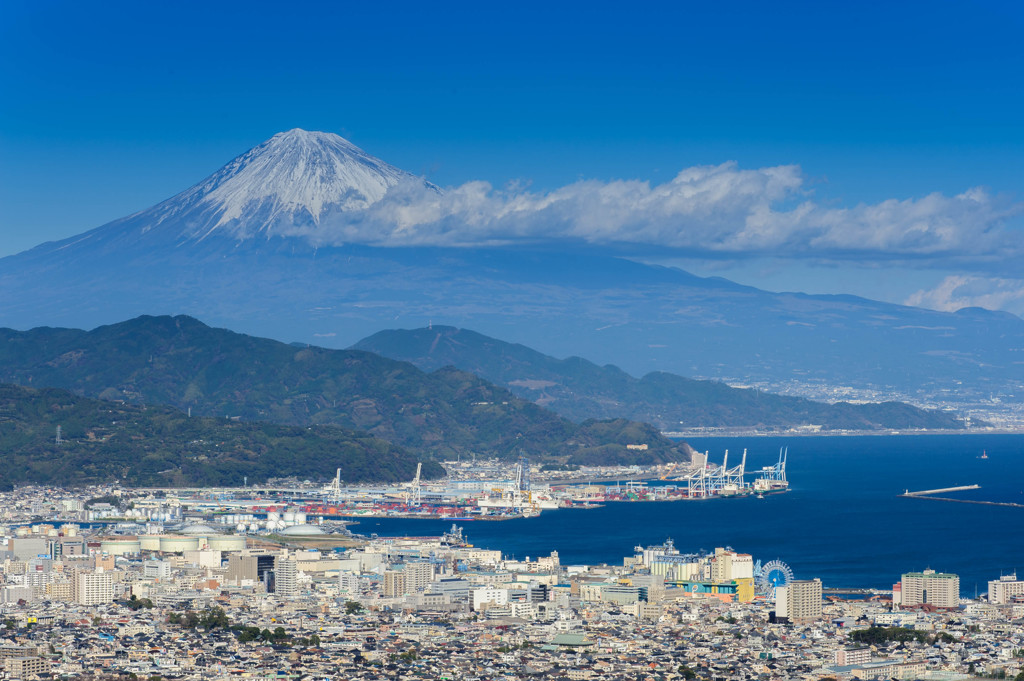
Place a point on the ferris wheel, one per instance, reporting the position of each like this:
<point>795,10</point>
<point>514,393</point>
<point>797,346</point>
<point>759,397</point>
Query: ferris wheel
<point>771,576</point>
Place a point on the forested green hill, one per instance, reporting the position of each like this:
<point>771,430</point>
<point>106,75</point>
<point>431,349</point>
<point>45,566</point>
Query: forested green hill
<point>144,446</point>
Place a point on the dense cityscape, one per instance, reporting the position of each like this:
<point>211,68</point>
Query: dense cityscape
<point>133,584</point>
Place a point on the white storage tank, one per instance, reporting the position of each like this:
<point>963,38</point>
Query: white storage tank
<point>120,547</point>
<point>199,530</point>
<point>150,542</point>
<point>178,543</point>
<point>303,531</point>
<point>226,542</point>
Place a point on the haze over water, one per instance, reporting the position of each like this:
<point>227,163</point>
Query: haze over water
<point>842,520</point>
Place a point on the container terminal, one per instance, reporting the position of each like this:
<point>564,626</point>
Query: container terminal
<point>488,491</point>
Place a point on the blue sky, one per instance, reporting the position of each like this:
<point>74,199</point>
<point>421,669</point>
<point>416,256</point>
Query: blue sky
<point>108,108</point>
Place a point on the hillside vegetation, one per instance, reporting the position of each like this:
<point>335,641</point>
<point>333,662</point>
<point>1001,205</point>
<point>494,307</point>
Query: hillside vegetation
<point>181,362</point>
<point>160,446</point>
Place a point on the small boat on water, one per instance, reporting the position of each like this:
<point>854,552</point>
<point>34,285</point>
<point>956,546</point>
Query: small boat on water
<point>984,455</point>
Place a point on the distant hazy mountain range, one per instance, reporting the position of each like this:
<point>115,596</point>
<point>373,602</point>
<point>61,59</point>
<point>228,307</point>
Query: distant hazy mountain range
<point>279,243</point>
<point>578,389</point>
<point>102,441</point>
<point>179,361</point>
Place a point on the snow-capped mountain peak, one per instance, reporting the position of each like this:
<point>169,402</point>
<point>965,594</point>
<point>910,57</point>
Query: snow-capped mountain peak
<point>286,185</point>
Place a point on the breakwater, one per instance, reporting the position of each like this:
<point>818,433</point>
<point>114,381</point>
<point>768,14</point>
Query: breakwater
<point>941,490</point>
<point>1009,504</point>
<point>930,494</point>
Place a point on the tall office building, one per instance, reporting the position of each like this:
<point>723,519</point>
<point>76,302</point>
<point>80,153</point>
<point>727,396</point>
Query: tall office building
<point>249,565</point>
<point>799,601</point>
<point>940,589</point>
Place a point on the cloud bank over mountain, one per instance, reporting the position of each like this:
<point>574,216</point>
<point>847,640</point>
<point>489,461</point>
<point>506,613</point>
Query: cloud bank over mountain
<point>717,211</point>
<point>956,292</point>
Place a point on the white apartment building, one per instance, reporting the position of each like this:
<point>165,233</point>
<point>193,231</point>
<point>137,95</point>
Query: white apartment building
<point>418,577</point>
<point>940,589</point>
<point>94,588</point>
<point>156,569</point>
<point>799,601</point>
<point>852,655</point>
<point>489,594</point>
<point>394,583</point>
<point>1003,590</point>
<point>349,584</point>
<point>286,577</point>
<point>24,667</point>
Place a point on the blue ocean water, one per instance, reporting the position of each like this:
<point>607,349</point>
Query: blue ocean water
<point>841,521</point>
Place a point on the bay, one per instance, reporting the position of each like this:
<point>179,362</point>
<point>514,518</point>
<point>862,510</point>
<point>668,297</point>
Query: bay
<point>842,520</point>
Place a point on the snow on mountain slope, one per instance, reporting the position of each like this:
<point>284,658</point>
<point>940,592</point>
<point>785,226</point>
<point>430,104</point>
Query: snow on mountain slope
<point>284,186</point>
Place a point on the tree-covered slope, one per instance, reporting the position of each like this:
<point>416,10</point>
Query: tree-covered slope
<point>181,362</point>
<point>579,389</point>
<point>104,441</point>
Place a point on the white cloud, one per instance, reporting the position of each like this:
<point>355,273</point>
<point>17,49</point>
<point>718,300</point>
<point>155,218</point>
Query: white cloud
<point>721,211</point>
<point>959,291</point>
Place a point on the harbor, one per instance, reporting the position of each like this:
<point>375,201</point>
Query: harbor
<point>518,493</point>
<point>489,490</point>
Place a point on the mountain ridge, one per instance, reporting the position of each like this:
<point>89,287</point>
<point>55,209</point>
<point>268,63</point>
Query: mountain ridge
<point>579,389</point>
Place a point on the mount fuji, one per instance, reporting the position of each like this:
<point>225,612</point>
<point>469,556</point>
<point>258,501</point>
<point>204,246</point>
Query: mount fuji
<point>283,242</point>
<point>288,186</point>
